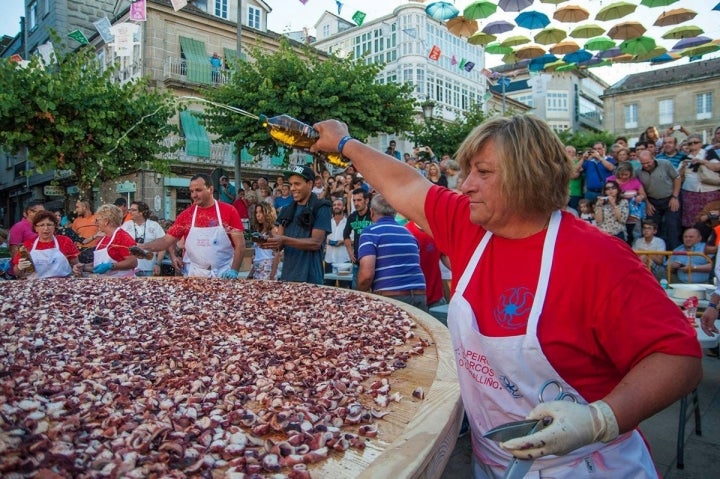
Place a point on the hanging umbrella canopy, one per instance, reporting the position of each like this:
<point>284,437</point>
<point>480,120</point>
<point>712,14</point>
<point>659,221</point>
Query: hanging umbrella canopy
<point>529,52</point>
<point>496,49</point>
<point>655,52</point>
<point>515,41</point>
<point>683,31</point>
<point>701,50</point>
<point>657,3</point>
<point>626,30</point>
<point>554,65</point>
<point>481,38</point>
<point>594,62</point>
<point>624,58</point>
<point>578,56</point>
<point>609,53</point>
<point>550,35</point>
<point>498,27</point>
<point>566,46</point>
<point>532,20</point>
<point>615,10</point>
<point>514,5</point>
<point>673,17</point>
<point>461,26</point>
<point>479,9</point>
<point>566,67</point>
<point>571,14</point>
<point>442,11</point>
<point>588,30</point>
<point>717,7</point>
<point>691,42</point>
<point>664,58</point>
<point>638,46</point>
<point>553,2</point>
<point>599,43</point>
<point>509,58</point>
<point>544,59</point>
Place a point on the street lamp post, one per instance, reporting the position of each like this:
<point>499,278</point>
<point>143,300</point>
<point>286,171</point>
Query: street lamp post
<point>238,145</point>
<point>427,108</point>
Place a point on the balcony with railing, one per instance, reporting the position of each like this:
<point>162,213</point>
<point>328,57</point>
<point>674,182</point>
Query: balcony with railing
<point>591,119</point>
<point>185,71</point>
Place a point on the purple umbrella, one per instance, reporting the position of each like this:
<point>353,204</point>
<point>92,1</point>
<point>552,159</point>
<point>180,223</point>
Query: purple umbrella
<point>498,27</point>
<point>691,42</point>
<point>610,52</point>
<point>514,5</point>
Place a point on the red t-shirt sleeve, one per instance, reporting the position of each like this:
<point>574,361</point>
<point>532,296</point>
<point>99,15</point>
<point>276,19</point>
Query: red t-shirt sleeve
<point>119,248</point>
<point>67,247</point>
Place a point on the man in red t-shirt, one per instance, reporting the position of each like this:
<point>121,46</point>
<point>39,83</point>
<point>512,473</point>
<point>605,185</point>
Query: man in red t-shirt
<point>213,234</point>
<point>430,257</point>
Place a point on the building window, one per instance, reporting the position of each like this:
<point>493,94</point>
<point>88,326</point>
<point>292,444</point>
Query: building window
<point>557,101</point>
<point>665,112</point>
<point>254,17</point>
<point>46,10</point>
<point>326,31</point>
<point>527,99</point>
<point>631,116</point>
<point>221,8</point>
<point>704,105</point>
<point>32,17</point>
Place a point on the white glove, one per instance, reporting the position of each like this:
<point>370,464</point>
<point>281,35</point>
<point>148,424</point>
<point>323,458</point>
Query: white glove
<point>24,264</point>
<point>573,425</point>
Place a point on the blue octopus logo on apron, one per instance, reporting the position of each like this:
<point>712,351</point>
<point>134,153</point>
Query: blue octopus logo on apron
<point>513,307</point>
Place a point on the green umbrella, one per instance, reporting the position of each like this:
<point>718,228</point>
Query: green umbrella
<point>564,68</point>
<point>701,50</point>
<point>588,30</point>
<point>683,31</point>
<point>553,2</point>
<point>655,52</point>
<point>615,10</point>
<point>497,49</point>
<point>550,35</point>
<point>515,41</point>
<point>657,3</point>
<point>638,46</point>
<point>599,43</point>
<point>481,38</point>
<point>554,65</point>
<point>479,9</point>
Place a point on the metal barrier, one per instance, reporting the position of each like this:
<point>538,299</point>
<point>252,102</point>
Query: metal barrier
<point>646,257</point>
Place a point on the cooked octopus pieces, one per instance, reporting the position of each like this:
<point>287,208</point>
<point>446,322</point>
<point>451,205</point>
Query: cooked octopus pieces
<point>191,377</point>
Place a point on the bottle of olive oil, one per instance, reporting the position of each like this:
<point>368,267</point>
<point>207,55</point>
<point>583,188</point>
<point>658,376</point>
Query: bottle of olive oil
<point>293,133</point>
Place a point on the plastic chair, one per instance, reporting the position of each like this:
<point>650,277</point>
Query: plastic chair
<point>684,416</point>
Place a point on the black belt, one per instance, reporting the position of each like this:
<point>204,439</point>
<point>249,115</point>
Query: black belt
<point>402,292</point>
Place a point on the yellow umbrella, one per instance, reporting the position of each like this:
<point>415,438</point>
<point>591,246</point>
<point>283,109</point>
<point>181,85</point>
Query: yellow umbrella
<point>515,41</point>
<point>588,30</point>
<point>481,38</point>
<point>684,31</point>
<point>529,52</point>
<point>461,26</point>
<point>571,14</point>
<point>673,17</point>
<point>701,50</point>
<point>550,35</point>
<point>510,58</point>
<point>554,65</point>
<point>626,30</point>
<point>615,10</point>
<point>655,52</point>
<point>567,46</point>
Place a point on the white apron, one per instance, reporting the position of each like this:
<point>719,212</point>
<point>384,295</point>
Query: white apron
<point>500,378</point>
<point>208,251</point>
<point>49,263</point>
<point>101,256</point>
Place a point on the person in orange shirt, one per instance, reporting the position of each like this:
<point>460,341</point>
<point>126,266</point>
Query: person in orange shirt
<point>121,203</point>
<point>84,225</point>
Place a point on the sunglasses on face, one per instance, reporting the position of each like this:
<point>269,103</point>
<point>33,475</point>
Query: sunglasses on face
<point>693,142</point>
<point>611,188</point>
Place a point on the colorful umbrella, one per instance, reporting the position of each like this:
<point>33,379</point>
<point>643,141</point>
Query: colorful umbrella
<point>683,31</point>
<point>571,14</point>
<point>553,2</point>
<point>599,43</point>
<point>626,30</point>
<point>481,38</point>
<point>578,56</point>
<point>550,35</point>
<point>615,10</point>
<point>554,65</point>
<point>496,49</point>
<point>530,51</point>
<point>514,5</point>
<point>673,17</point>
<point>657,3</point>
<point>588,30</point>
<point>544,59</point>
<point>498,27</point>
<point>594,62</point>
<point>624,58</point>
<point>717,7</point>
<point>515,41</point>
<point>567,67</point>
<point>442,11</point>
<point>638,46</point>
<point>609,53</point>
<point>532,20</point>
<point>655,52</point>
<point>461,26</point>
<point>691,42</point>
<point>664,58</point>
<point>479,9</point>
<point>567,46</point>
<point>701,50</point>
<point>510,58</point>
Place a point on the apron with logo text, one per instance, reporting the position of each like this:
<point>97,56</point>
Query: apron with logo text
<point>49,263</point>
<point>102,256</point>
<point>208,251</point>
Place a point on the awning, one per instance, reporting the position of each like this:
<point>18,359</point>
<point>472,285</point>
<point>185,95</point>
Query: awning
<point>231,55</point>
<point>197,142</point>
<point>197,60</point>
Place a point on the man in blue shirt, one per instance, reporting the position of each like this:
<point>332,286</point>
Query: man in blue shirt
<point>390,258</point>
<point>597,168</point>
<point>670,152</point>
<point>691,269</point>
<point>227,192</point>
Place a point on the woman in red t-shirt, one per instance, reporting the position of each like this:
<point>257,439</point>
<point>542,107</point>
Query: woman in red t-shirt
<point>51,255</point>
<point>112,256</point>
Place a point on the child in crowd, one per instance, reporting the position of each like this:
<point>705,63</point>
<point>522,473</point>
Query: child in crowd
<point>586,211</point>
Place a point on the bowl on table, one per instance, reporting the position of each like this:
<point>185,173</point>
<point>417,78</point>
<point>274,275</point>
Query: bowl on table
<point>686,290</point>
<point>344,268</point>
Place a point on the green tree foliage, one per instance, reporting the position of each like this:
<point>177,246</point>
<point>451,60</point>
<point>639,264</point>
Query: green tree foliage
<point>445,137</point>
<point>71,115</point>
<point>310,88</point>
<point>583,139</point>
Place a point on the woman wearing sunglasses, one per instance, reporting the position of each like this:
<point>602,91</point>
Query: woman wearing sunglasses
<point>144,230</point>
<point>700,181</point>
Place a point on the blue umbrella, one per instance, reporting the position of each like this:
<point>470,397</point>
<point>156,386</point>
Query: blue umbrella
<point>442,11</point>
<point>691,42</point>
<point>542,60</point>
<point>578,56</point>
<point>717,7</point>
<point>498,27</point>
<point>532,20</point>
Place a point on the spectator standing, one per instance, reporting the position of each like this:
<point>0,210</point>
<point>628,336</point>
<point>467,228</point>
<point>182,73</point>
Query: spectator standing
<point>52,255</point>
<point>23,229</point>
<point>434,175</point>
<point>212,232</point>
<point>302,229</point>
<point>389,258</point>
<point>611,210</point>
<point>576,180</point>
<point>649,242</point>
<point>111,257</point>
<point>85,226</point>
<point>632,190</point>
<point>228,193</point>
<point>452,173</point>
<point>670,152</point>
<point>430,261</point>
<point>335,252</point>
<point>265,261</point>
<point>713,148</point>
<point>215,64</point>
<point>392,150</point>
<point>358,220</point>
<point>690,269</point>
<point>597,168</point>
<point>696,190</point>
<point>284,199</point>
<point>662,185</point>
<point>121,203</point>
<point>144,230</point>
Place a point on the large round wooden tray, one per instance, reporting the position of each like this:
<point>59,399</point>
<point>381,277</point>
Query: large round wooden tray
<point>414,441</point>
